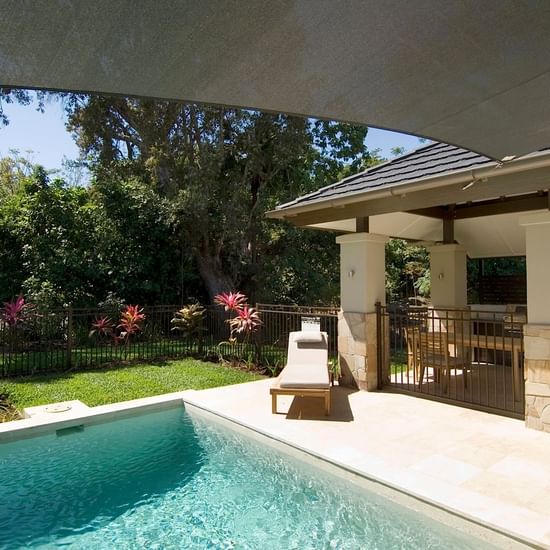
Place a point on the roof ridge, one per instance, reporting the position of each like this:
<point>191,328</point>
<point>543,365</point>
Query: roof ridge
<point>420,162</point>
<point>351,190</point>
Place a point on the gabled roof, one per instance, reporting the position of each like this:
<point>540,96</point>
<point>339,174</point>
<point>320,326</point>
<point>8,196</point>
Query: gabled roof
<point>427,161</point>
<point>410,197</point>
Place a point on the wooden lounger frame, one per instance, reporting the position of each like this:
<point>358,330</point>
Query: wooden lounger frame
<point>299,392</point>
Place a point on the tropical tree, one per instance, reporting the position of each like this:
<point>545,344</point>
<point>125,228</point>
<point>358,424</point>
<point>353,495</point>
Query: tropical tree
<point>220,169</point>
<point>176,204</point>
<point>407,270</point>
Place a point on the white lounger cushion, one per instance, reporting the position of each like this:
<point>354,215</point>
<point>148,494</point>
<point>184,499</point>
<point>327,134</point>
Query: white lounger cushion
<point>311,337</point>
<point>305,376</point>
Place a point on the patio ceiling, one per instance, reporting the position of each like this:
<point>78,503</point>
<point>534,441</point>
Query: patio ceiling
<point>484,237</point>
<point>470,73</point>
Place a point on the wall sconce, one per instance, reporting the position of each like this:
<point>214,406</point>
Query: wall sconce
<point>351,273</point>
<point>441,276</point>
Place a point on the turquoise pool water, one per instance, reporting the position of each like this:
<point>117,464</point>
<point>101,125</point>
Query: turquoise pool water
<point>172,480</point>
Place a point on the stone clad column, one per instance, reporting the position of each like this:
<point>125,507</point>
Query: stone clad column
<point>362,284</point>
<point>537,332</point>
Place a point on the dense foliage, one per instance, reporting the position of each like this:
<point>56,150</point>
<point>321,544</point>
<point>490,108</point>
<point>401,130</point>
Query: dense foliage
<point>61,244</point>
<point>175,207</point>
<point>174,211</point>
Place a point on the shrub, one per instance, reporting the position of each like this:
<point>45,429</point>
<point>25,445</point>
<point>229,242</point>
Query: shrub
<point>16,312</point>
<point>112,305</point>
<point>131,323</point>
<point>246,320</point>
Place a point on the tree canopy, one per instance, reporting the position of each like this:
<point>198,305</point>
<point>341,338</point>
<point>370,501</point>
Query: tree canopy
<point>175,207</point>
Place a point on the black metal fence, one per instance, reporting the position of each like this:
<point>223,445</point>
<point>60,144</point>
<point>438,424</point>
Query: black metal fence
<point>464,356</point>
<point>60,340</point>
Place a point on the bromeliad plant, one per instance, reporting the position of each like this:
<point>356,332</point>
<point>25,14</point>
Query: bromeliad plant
<point>15,313</point>
<point>231,301</point>
<point>131,323</point>
<point>189,320</point>
<point>245,320</point>
<point>102,327</point>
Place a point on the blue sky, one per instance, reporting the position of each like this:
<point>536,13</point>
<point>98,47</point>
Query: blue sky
<point>45,135</point>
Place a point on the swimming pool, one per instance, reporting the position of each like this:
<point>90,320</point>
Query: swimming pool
<point>170,479</point>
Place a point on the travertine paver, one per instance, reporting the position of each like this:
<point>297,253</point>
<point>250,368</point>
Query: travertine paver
<point>481,465</point>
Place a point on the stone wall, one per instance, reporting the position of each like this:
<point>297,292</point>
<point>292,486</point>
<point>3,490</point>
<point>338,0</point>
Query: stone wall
<point>357,347</point>
<point>537,376</point>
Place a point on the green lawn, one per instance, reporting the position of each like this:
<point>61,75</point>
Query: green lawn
<point>120,383</point>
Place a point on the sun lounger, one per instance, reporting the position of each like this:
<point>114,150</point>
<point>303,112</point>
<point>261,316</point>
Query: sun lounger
<point>306,373</point>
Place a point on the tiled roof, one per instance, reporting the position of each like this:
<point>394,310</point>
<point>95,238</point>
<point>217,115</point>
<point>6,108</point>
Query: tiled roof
<point>428,161</point>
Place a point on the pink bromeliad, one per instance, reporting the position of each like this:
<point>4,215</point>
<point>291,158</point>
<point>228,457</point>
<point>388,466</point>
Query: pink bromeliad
<point>131,320</point>
<point>231,301</point>
<point>13,312</point>
<point>246,321</point>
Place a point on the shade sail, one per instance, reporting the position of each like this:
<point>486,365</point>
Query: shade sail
<point>472,73</point>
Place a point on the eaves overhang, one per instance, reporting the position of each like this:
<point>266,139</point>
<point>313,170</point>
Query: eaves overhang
<point>486,181</point>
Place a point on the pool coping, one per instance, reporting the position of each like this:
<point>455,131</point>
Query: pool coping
<point>447,515</point>
<point>49,422</point>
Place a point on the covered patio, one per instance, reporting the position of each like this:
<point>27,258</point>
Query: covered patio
<point>457,72</point>
<point>458,204</point>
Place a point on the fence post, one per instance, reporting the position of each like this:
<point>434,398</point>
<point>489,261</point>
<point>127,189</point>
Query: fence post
<point>69,336</point>
<point>379,344</point>
<point>257,341</point>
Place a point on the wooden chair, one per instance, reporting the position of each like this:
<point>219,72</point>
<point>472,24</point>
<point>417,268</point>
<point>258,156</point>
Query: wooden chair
<point>416,322</point>
<point>412,335</point>
<point>433,352</point>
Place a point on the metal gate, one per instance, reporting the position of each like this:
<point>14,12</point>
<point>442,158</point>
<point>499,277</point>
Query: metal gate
<point>464,356</point>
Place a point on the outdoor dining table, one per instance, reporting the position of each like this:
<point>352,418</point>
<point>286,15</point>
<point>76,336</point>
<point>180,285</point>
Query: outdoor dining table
<point>513,344</point>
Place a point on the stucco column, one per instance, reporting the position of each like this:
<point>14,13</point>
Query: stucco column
<point>448,263</point>
<point>537,331</point>
<point>362,284</point>
<point>448,275</point>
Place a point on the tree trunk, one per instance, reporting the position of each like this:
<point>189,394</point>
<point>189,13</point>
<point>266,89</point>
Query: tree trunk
<point>213,275</point>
